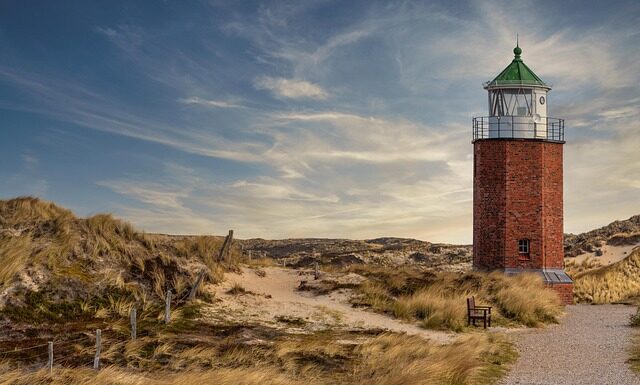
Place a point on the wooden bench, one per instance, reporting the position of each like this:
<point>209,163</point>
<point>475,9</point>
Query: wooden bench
<point>475,312</point>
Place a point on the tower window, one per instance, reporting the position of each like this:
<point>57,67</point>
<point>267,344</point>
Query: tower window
<point>523,246</point>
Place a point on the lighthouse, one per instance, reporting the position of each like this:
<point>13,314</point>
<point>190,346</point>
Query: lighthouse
<point>517,180</point>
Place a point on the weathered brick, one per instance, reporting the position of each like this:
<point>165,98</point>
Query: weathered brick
<point>565,292</point>
<point>518,195</point>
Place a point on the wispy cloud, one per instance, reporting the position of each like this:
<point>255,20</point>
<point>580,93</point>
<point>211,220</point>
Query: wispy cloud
<point>291,88</point>
<point>357,128</point>
<point>211,103</point>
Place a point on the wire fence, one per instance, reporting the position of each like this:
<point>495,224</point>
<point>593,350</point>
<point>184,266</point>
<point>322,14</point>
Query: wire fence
<point>90,341</point>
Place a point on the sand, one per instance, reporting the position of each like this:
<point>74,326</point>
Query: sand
<point>276,296</point>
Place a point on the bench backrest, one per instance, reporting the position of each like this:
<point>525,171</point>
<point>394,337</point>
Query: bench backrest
<point>471,303</point>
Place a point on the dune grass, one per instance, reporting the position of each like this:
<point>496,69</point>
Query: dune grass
<point>613,283</point>
<point>438,300</point>
<point>317,359</point>
<point>574,268</point>
<point>94,267</point>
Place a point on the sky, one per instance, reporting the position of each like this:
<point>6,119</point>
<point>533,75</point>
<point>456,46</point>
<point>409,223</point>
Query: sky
<point>346,119</point>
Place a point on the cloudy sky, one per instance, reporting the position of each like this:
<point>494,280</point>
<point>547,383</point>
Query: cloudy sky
<point>294,119</point>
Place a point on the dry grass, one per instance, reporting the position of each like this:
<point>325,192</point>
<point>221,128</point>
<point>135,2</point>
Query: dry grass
<point>439,300</point>
<point>574,268</point>
<point>95,267</point>
<point>435,308</point>
<point>237,289</point>
<point>318,359</point>
<point>613,283</point>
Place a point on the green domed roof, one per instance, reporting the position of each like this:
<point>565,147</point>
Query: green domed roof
<point>517,73</point>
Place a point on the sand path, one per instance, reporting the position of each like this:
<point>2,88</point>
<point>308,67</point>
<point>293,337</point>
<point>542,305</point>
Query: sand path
<point>277,294</point>
<point>587,348</point>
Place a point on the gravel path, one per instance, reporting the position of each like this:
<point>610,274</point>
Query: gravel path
<point>588,347</point>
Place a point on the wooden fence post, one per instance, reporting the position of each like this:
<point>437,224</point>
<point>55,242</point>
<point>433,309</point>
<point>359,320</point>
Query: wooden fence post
<point>196,285</point>
<point>50,363</point>
<point>96,359</point>
<point>167,307</point>
<point>133,323</point>
<point>316,273</point>
<point>228,253</point>
<point>226,246</point>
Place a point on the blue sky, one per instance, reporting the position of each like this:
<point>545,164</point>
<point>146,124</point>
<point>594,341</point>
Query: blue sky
<point>294,119</point>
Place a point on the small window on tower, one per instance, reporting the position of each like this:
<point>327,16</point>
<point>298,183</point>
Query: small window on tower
<point>523,247</point>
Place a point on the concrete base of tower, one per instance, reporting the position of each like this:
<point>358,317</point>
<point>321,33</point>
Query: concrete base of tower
<point>555,279</point>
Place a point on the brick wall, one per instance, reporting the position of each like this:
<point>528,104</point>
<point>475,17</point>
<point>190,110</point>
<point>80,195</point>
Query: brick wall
<point>565,292</point>
<point>489,201</point>
<point>517,195</point>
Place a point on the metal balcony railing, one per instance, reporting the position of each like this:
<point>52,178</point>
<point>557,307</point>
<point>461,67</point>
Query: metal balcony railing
<point>518,127</point>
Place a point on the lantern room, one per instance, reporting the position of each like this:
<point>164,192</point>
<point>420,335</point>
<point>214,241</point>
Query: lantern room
<point>518,106</point>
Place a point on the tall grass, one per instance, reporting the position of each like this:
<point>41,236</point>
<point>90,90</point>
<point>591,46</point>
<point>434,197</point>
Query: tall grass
<point>434,308</point>
<point>613,283</point>
<point>574,268</point>
<point>318,359</point>
<point>438,301</point>
<point>86,263</point>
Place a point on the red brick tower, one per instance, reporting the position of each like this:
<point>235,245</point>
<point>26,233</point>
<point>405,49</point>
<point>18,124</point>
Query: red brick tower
<point>517,180</point>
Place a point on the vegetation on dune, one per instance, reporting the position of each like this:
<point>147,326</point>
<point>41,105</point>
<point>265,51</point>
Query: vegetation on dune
<point>613,283</point>
<point>62,276</point>
<point>55,266</point>
<point>574,268</point>
<point>438,300</point>
<point>317,359</point>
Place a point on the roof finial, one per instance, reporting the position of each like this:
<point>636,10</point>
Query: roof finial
<point>517,51</point>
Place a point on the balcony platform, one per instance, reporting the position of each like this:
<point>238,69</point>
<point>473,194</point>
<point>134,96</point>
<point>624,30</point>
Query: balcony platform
<point>518,127</point>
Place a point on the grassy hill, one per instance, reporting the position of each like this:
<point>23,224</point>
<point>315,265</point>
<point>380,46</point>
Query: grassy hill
<point>614,283</point>
<point>55,266</point>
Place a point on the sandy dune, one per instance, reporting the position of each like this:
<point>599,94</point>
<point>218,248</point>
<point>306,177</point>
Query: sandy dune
<point>276,295</point>
<point>610,254</point>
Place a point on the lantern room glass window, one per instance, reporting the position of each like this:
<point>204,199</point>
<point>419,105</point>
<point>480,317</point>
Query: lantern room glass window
<point>511,102</point>
<point>523,246</point>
